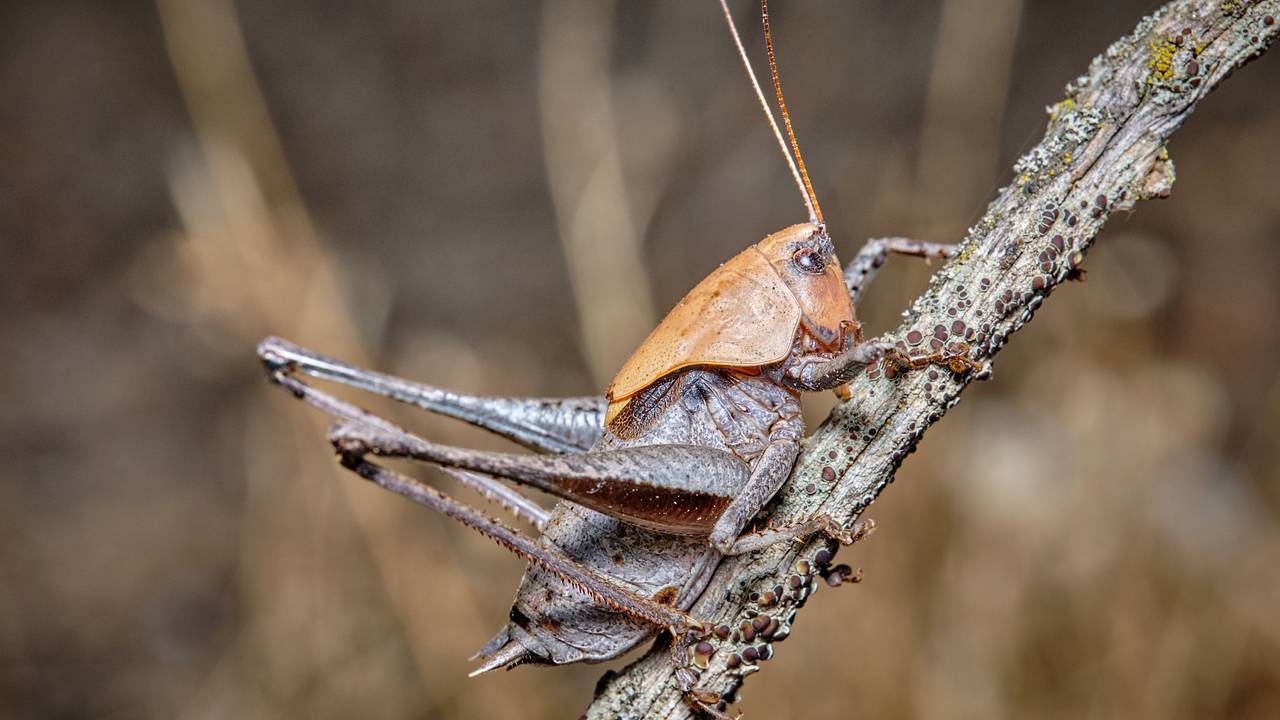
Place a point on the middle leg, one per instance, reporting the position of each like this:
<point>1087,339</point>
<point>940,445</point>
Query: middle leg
<point>770,472</point>
<point>802,530</point>
<point>812,374</point>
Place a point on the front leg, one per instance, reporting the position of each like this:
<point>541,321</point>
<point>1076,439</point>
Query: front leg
<point>864,266</point>
<point>954,355</point>
<point>813,373</point>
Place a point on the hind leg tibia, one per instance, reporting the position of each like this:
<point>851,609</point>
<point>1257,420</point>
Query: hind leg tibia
<point>604,590</point>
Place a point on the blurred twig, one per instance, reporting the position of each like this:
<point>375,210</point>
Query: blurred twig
<point>1102,152</point>
<point>968,89</point>
<point>252,263</point>
<point>600,237</point>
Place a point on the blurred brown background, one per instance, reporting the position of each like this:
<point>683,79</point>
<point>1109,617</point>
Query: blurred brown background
<point>502,197</point>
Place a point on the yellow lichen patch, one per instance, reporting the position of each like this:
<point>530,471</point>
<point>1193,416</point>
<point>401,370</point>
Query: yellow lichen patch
<point>1066,157</point>
<point>1061,107</point>
<point>1234,9</point>
<point>1161,63</point>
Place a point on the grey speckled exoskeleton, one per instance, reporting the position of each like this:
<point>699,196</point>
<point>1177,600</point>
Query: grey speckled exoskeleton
<point>661,476</point>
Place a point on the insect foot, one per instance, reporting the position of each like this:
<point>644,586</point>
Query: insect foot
<point>272,357</point>
<point>837,575</point>
<point>798,531</point>
<point>954,356</point>
<point>710,702</point>
<point>349,440</point>
<point>690,652</point>
<point>851,535</point>
<point>841,574</point>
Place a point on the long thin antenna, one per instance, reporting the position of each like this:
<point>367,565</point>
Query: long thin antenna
<point>815,213</point>
<point>815,210</point>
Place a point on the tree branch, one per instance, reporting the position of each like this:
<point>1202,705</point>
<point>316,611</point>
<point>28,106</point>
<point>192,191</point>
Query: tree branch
<point>1103,151</point>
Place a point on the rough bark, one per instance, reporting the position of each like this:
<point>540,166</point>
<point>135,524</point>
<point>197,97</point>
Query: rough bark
<point>1103,151</point>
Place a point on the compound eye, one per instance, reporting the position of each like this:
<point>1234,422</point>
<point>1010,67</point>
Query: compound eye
<point>809,261</point>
